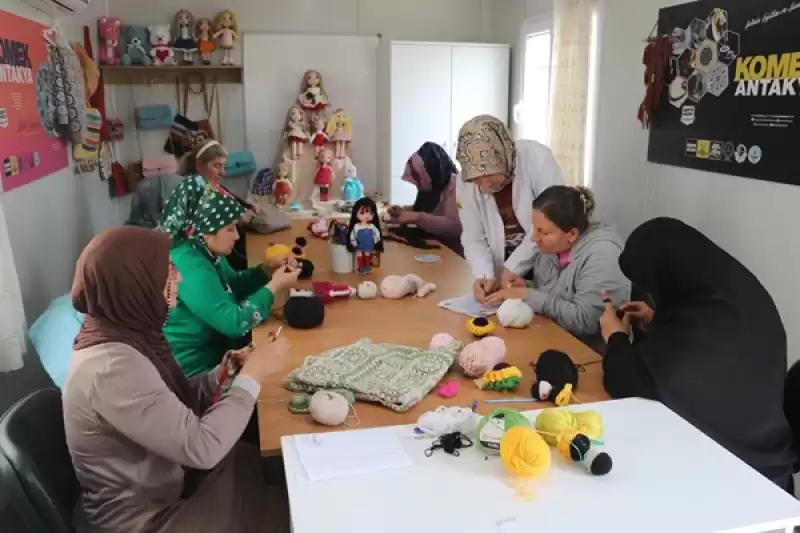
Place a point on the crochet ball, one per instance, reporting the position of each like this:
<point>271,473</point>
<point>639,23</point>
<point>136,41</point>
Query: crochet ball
<point>304,312</point>
<point>329,408</point>
<point>367,290</point>
<point>481,356</point>
<point>515,314</point>
<point>499,420</point>
<point>525,453</point>
<point>298,403</point>
<point>395,287</point>
<point>441,340</point>
<point>553,422</point>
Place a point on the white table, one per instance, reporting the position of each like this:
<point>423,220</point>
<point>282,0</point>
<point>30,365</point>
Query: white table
<point>667,477</point>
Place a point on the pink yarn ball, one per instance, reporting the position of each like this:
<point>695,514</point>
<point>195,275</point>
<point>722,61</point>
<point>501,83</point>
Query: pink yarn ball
<point>481,356</point>
<point>440,340</point>
<point>395,287</point>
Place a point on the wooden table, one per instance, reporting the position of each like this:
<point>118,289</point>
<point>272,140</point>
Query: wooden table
<point>412,321</point>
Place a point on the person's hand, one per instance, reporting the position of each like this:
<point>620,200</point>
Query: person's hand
<point>274,263</point>
<point>406,216</point>
<point>508,279</point>
<point>239,357</point>
<point>247,216</point>
<point>482,288</point>
<point>394,211</point>
<point>610,323</point>
<point>513,293</point>
<point>640,314</point>
<point>283,278</point>
<point>266,360</point>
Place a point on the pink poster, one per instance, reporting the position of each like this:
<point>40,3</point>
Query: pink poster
<point>29,147</point>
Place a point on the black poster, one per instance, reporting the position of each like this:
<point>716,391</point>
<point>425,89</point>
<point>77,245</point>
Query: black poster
<point>733,97</point>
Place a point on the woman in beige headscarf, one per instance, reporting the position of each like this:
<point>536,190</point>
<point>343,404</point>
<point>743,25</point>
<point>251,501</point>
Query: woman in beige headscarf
<point>500,179</point>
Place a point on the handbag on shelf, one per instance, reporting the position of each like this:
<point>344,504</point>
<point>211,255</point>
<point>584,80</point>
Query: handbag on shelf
<point>159,166</point>
<point>185,133</point>
<point>240,164</point>
<point>153,117</point>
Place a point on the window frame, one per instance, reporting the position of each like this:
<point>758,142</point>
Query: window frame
<point>542,23</point>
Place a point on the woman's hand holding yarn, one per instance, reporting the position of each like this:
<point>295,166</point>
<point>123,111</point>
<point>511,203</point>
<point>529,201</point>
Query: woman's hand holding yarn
<point>482,288</point>
<point>639,313</point>
<point>406,216</point>
<point>509,279</point>
<point>266,360</point>
<point>283,278</point>
<point>610,322</point>
<point>513,293</point>
<point>239,356</point>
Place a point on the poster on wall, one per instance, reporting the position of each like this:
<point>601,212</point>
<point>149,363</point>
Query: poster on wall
<point>27,151</point>
<point>732,103</point>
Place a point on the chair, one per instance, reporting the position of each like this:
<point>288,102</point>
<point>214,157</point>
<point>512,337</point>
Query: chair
<point>35,466</point>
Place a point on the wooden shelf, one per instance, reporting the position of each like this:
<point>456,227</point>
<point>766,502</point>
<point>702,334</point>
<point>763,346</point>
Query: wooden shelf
<point>167,74</point>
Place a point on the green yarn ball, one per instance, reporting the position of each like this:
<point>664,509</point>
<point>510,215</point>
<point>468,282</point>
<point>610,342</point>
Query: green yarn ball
<point>511,419</point>
<point>298,403</point>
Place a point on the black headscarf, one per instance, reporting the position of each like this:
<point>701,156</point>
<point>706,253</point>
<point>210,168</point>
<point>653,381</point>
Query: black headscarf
<point>430,169</point>
<point>715,352</point>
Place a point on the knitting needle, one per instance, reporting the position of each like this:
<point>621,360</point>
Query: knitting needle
<point>510,400</point>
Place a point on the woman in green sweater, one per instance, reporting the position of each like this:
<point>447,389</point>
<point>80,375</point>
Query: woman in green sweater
<point>217,306</point>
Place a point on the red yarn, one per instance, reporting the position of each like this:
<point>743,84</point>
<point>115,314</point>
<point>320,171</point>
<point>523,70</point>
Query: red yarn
<point>656,62</point>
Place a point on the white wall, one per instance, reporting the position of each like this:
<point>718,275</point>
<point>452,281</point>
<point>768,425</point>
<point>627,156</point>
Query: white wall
<point>754,220</point>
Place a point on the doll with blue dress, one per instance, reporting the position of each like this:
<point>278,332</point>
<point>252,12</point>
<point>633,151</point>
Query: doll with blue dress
<point>365,239</point>
<point>352,188</point>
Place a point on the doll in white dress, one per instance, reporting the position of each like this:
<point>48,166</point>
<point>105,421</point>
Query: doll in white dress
<point>296,131</point>
<point>312,95</point>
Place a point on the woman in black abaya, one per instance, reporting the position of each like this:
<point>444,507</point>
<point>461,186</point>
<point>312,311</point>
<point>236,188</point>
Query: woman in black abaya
<point>714,349</point>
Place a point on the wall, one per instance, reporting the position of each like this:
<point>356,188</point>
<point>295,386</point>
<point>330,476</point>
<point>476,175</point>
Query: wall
<point>753,220</point>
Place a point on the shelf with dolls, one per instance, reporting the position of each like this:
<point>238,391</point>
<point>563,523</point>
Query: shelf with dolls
<point>167,74</point>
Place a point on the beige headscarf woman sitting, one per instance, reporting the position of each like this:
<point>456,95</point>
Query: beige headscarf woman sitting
<point>500,178</point>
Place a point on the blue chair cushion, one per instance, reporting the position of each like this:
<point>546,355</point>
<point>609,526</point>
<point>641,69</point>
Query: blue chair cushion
<point>52,336</point>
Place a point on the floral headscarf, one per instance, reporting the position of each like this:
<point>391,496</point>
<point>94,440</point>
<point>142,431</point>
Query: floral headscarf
<point>485,148</point>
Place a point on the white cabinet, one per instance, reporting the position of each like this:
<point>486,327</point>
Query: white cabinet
<point>435,88</point>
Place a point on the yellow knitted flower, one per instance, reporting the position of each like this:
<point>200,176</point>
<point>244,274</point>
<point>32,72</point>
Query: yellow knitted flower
<point>480,326</point>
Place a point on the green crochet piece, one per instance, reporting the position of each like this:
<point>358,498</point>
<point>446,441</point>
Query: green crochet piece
<point>503,384</point>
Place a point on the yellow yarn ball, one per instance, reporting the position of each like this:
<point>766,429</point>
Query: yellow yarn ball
<point>277,251</point>
<point>525,453</point>
<point>552,422</point>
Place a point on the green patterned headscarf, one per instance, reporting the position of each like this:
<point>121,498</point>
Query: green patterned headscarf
<point>214,211</point>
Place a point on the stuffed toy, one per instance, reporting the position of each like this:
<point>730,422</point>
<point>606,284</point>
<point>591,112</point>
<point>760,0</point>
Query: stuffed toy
<point>108,29</point>
<point>332,291</point>
<point>135,46</point>
<point>161,42</point>
<point>556,378</point>
<point>319,228</point>
<point>397,287</point>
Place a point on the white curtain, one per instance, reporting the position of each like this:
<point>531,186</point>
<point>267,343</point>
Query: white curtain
<point>571,63</point>
<point>12,315</point>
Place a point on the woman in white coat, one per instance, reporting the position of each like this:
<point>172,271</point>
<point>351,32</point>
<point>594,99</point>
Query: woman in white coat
<point>500,179</point>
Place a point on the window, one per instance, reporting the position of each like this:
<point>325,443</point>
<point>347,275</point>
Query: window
<point>533,112</point>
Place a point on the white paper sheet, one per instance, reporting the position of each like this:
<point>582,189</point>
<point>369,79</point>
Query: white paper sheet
<point>350,453</point>
<point>468,305</point>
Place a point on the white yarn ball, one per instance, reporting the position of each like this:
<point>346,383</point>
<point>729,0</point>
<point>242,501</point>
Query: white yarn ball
<point>515,314</point>
<point>367,290</point>
<point>329,408</point>
<point>441,340</point>
<point>447,420</point>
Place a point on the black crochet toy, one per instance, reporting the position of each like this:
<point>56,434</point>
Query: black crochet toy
<point>306,266</point>
<point>304,310</point>
<point>556,378</point>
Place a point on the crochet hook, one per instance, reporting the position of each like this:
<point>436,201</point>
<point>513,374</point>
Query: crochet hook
<point>510,400</point>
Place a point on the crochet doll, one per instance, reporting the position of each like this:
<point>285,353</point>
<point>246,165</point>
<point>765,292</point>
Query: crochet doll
<point>296,132</point>
<point>319,137</point>
<point>185,42</point>
<point>340,131</point>
<point>324,176</point>
<point>226,29</point>
<point>312,95</point>
<point>283,186</point>
<point>364,234</point>
<point>205,42</point>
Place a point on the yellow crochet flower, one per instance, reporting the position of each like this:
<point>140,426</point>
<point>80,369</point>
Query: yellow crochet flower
<point>480,326</point>
<point>505,378</point>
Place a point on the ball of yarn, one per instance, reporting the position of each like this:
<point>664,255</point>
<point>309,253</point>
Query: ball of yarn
<point>298,403</point>
<point>448,420</point>
<point>553,422</point>
<point>306,268</point>
<point>395,287</point>
<point>441,340</point>
<point>493,426</point>
<point>525,453</point>
<point>304,312</point>
<point>277,251</point>
<point>515,314</point>
<point>481,356</point>
<point>329,408</point>
<point>367,290</point>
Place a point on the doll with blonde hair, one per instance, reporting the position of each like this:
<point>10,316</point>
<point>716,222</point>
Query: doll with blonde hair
<point>312,96</point>
<point>226,29</point>
<point>205,41</point>
<point>296,132</point>
<point>283,185</point>
<point>340,131</point>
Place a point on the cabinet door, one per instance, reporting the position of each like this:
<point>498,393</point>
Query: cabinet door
<point>420,96</point>
<point>480,85</point>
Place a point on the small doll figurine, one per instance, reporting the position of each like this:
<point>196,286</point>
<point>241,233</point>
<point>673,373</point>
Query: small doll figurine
<point>283,185</point>
<point>324,176</point>
<point>340,131</point>
<point>364,234</point>
<point>352,188</point>
<point>312,95</point>
<point>296,131</point>
<point>205,43</point>
<point>319,137</point>
<point>226,29</point>
<point>185,43</point>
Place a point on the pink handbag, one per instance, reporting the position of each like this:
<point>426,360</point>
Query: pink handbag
<point>152,167</point>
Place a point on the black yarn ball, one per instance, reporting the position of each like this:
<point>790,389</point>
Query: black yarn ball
<point>301,241</point>
<point>579,447</point>
<point>304,312</point>
<point>601,465</point>
<point>501,366</point>
<point>558,370</point>
<point>306,268</point>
